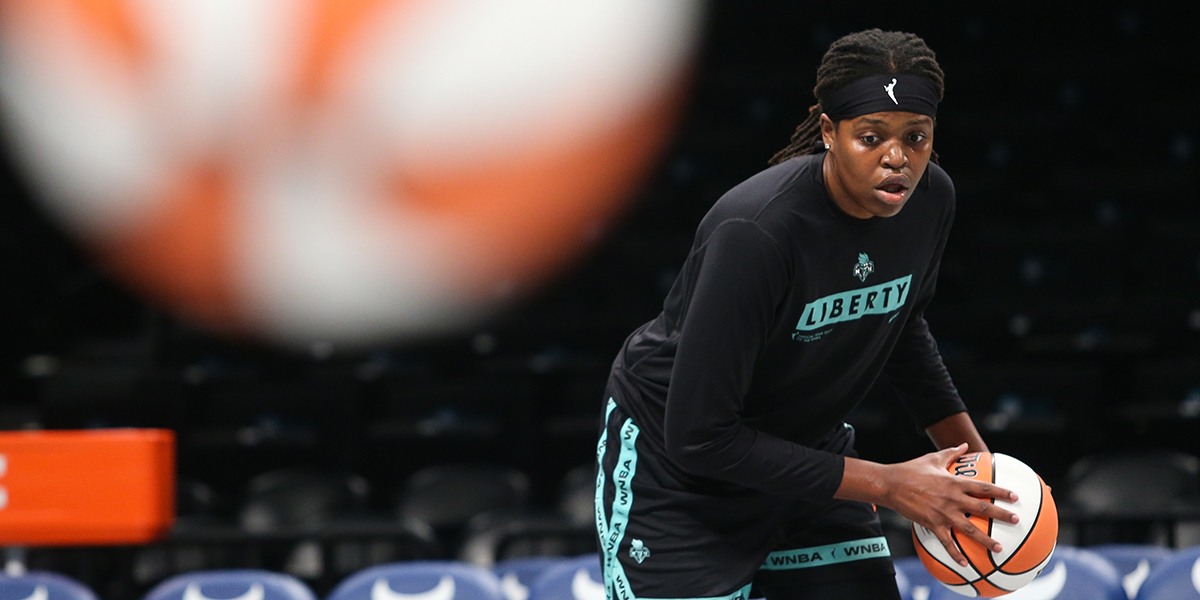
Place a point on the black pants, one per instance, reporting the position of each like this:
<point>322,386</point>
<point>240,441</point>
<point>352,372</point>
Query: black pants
<point>661,539</point>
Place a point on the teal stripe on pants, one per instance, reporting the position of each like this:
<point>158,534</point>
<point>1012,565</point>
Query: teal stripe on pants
<point>616,583</point>
<point>622,503</point>
<point>829,554</point>
<point>601,519</point>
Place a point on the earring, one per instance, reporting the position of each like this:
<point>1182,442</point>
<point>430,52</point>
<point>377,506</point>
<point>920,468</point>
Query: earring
<point>826,146</point>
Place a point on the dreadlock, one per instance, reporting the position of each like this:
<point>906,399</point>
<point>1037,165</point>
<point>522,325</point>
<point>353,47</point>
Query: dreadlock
<point>853,57</point>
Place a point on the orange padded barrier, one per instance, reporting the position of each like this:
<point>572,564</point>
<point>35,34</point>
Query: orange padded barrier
<point>105,486</point>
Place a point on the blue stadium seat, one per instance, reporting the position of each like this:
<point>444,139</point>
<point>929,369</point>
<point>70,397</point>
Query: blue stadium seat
<point>575,579</point>
<point>920,582</point>
<point>1073,574</point>
<point>1176,578</point>
<point>1133,562</point>
<point>518,575</point>
<point>422,580</point>
<point>903,585</point>
<point>234,584</point>
<point>40,585</point>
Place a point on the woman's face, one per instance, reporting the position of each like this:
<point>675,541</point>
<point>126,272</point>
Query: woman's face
<point>875,160</point>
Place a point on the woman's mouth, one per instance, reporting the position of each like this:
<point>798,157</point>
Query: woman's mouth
<point>892,190</point>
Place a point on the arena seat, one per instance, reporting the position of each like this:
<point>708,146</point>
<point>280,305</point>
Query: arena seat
<point>575,579</point>
<point>1072,574</point>
<point>1165,392</point>
<point>1029,393</point>
<point>465,407</point>
<point>1117,483</point>
<point>577,494</point>
<point>449,495</point>
<point>43,585</point>
<point>519,574</point>
<point>501,535</point>
<point>1132,479</point>
<point>427,580</point>
<point>1175,578</point>
<point>903,585</point>
<point>1133,562</point>
<point>300,497</point>
<point>920,582</point>
<point>241,584</point>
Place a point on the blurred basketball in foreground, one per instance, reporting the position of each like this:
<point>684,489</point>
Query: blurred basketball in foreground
<point>1027,545</point>
<point>343,170</point>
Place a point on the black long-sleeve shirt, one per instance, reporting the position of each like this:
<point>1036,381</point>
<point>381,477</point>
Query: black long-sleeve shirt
<point>783,316</point>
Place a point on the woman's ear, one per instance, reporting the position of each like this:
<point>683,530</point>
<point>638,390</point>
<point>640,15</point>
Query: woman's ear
<point>827,131</point>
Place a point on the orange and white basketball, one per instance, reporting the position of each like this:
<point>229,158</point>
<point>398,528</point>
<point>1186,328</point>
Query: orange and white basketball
<point>340,170</point>
<point>1027,545</point>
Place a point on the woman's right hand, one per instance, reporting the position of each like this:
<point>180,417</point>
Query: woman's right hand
<point>925,492</point>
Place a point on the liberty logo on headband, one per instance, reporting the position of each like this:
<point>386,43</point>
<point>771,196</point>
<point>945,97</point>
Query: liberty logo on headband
<point>889,87</point>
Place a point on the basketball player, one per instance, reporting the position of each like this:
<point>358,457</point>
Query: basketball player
<point>725,460</point>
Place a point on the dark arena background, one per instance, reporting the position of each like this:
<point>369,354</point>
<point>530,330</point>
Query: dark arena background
<point>1067,311</point>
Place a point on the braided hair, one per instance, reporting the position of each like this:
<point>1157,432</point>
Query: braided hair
<point>853,57</point>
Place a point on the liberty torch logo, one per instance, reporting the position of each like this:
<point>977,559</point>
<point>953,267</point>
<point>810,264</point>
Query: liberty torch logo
<point>638,551</point>
<point>864,267</point>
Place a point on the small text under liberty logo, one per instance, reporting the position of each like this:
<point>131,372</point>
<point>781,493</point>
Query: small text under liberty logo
<point>638,551</point>
<point>864,267</point>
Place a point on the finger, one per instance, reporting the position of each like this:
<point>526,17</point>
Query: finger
<point>949,455</point>
<point>943,536</point>
<point>982,489</point>
<point>970,530</point>
<point>990,510</point>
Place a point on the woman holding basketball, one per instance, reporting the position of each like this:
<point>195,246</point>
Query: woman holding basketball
<point>725,461</point>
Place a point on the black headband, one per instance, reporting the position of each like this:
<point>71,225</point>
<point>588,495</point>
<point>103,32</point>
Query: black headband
<point>882,92</point>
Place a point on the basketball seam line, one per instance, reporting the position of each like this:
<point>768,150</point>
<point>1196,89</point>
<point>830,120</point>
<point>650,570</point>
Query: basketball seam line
<point>949,567</point>
<point>991,558</point>
<point>991,522</point>
<point>939,561</point>
<point>1036,516</point>
<point>958,544</point>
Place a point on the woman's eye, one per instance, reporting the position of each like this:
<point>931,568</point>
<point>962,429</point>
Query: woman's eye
<point>917,138</point>
<point>870,140</point>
